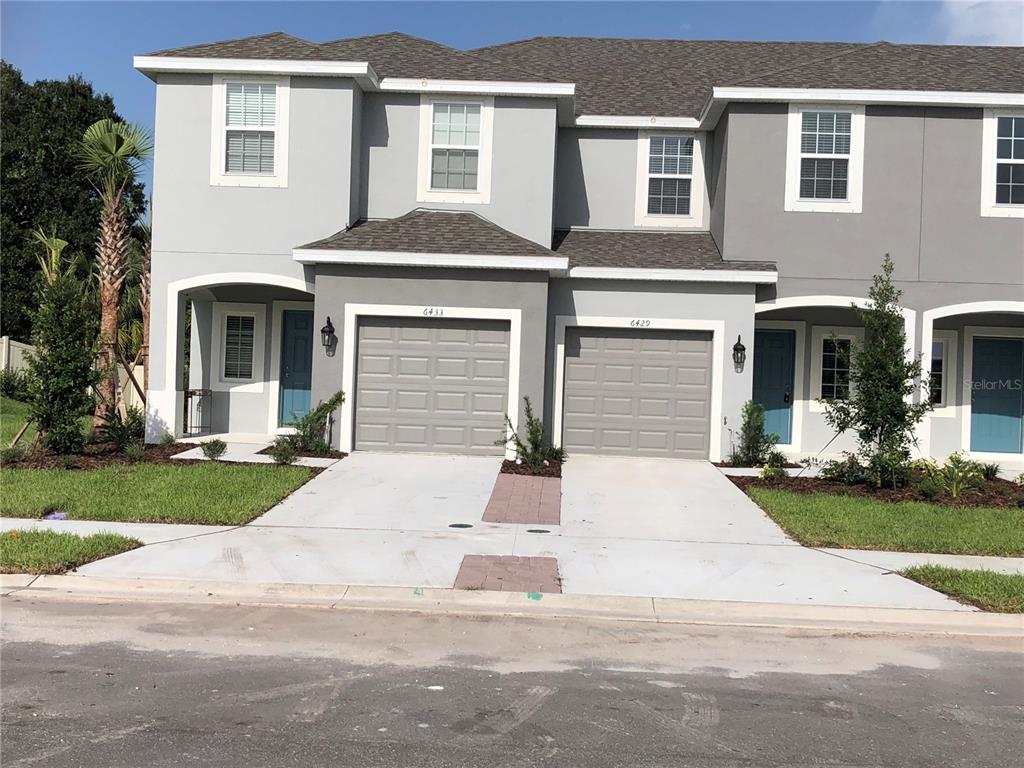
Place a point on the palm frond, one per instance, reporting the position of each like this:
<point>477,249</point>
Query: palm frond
<point>112,154</point>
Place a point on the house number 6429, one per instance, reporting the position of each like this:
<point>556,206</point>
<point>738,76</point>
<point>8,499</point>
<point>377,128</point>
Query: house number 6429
<point>638,323</point>
<point>433,311</point>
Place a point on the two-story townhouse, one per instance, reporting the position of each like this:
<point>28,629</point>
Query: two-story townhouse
<point>638,235</point>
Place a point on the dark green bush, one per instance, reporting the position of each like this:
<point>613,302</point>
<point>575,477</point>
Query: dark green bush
<point>754,443</point>
<point>990,471</point>
<point>11,456</point>
<point>310,430</point>
<point>537,450</point>
<point>62,368</point>
<point>283,451</point>
<point>930,487</point>
<point>213,449</point>
<point>15,385</point>
<point>123,432</point>
<point>848,471</point>
<point>134,452</point>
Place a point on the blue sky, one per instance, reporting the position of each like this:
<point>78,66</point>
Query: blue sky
<point>98,40</point>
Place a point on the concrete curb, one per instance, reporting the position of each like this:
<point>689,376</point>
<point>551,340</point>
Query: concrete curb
<point>520,604</point>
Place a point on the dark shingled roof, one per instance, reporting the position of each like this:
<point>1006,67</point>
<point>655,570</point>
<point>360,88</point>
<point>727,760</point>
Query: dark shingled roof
<point>645,250</point>
<point>429,231</point>
<point>394,54</point>
<point>675,77</point>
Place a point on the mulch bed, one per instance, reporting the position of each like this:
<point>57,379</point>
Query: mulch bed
<point>553,469</point>
<point>727,465</point>
<point>309,454</point>
<point>993,493</point>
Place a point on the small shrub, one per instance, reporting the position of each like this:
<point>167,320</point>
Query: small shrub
<point>1020,479</point>
<point>123,432</point>
<point>167,439</point>
<point>990,471</point>
<point>134,452</point>
<point>537,450</point>
<point>14,384</point>
<point>848,471</point>
<point>283,451</point>
<point>774,465</point>
<point>70,462</point>
<point>11,455</point>
<point>755,443</point>
<point>924,467</point>
<point>213,449</point>
<point>309,430</point>
<point>930,487</point>
<point>889,468</point>
<point>959,475</point>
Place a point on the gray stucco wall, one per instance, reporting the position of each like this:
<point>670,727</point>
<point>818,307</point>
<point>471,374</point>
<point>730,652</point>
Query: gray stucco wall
<point>596,180</point>
<point>719,144</point>
<point>922,195</point>
<point>733,304</point>
<point>522,166</point>
<point>339,285</point>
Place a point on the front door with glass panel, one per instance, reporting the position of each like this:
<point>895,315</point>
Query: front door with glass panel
<point>997,395</point>
<point>296,365</point>
<point>773,380</point>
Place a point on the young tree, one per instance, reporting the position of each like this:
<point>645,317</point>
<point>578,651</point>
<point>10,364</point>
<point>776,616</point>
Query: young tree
<point>41,184</point>
<point>111,154</point>
<point>62,368</point>
<point>880,408</point>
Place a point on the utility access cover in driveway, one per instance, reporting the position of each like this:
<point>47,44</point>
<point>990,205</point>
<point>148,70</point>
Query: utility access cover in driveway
<point>637,392</point>
<point>431,385</point>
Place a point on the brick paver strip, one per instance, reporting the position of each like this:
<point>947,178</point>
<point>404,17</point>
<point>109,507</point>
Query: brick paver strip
<point>525,499</point>
<point>509,573</point>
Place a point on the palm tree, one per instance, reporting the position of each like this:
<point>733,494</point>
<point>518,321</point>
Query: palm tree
<point>111,154</point>
<point>52,264</point>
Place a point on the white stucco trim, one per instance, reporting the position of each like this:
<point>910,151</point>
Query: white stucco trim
<point>221,310</point>
<point>350,352</point>
<point>409,259</point>
<point>360,70</point>
<point>219,129</point>
<point>855,176</point>
<point>799,328</point>
<point>948,409</point>
<point>989,206</point>
<point>698,184</point>
<point>818,335</point>
<point>717,328</point>
<point>678,275</point>
<point>477,87</point>
<point>482,194</point>
<point>970,332</point>
<point>274,377</point>
<point>928,318</point>
<point>636,121</point>
<point>869,96</point>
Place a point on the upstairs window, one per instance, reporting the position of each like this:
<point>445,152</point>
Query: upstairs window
<point>670,175</point>
<point>250,138</point>
<point>1010,160</point>
<point>824,159</point>
<point>455,146</point>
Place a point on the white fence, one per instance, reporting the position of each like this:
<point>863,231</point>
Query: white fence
<point>12,356</point>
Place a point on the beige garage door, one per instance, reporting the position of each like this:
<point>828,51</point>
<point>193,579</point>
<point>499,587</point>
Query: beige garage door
<point>431,385</point>
<point>645,393</point>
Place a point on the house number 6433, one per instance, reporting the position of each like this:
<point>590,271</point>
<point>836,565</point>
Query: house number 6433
<point>433,311</point>
<point>639,323</point>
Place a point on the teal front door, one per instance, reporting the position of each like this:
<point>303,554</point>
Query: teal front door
<point>296,365</point>
<point>773,380</point>
<point>997,395</point>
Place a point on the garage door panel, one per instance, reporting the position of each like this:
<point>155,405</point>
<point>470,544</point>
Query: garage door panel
<point>633,391</point>
<point>431,384</point>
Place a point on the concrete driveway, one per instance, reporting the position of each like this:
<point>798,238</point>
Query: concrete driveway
<point>648,527</point>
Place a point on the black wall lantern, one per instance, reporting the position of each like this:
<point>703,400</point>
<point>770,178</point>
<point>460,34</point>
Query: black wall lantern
<point>327,334</point>
<point>739,352</point>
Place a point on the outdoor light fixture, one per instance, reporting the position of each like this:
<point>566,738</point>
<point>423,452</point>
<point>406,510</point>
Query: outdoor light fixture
<point>327,334</point>
<point>739,352</point>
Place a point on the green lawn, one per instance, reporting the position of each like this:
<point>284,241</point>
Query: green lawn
<point>852,522</point>
<point>209,493</point>
<point>12,415</point>
<point>998,592</point>
<point>52,552</point>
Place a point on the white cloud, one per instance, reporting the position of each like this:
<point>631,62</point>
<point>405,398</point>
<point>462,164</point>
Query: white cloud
<point>981,23</point>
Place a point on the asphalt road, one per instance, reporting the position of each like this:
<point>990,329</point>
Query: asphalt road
<point>135,684</point>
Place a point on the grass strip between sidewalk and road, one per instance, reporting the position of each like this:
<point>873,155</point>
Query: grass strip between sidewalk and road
<point>210,493</point>
<point>854,522</point>
<point>40,551</point>
<point>990,591</point>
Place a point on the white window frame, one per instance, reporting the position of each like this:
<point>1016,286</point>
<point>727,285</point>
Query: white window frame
<point>482,194</point>
<point>219,128</point>
<point>855,166</point>
<point>989,161</point>
<point>221,311</point>
<point>818,335</point>
<point>698,192</point>
<point>947,408</point>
